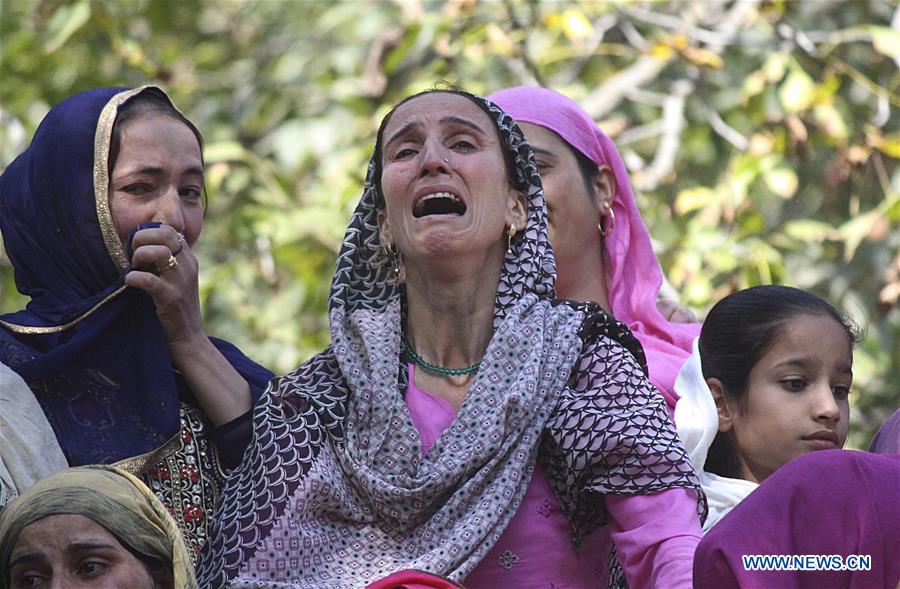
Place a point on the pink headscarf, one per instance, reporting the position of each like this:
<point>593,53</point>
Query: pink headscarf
<point>633,276</point>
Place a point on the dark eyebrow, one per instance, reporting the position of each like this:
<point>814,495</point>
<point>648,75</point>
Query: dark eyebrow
<point>82,546</point>
<point>148,170</point>
<point>154,171</point>
<point>403,131</point>
<point>543,152</point>
<point>801,362</point>
<point>76,547</point>
<point>806,363</point>
<point>462,121</point>
<point>27,557</point>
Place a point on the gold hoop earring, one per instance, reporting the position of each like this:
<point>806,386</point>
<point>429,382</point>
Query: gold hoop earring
<point>510,233</point>
<point>607,222</point>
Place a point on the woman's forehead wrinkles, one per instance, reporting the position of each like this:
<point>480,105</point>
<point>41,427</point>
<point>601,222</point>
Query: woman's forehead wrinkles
<point>449,113</point>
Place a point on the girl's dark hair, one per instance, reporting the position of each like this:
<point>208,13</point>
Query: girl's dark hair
<point>508,156</point>
<point>737,333</point>
<point>151,100</point>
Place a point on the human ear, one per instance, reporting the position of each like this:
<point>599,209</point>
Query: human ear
<point>723,408</point>
<point>516,213</point>
<point>384,229</point>
<point>604,183</point>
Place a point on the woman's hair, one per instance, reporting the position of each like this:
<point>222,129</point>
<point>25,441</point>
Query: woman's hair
<point>737,333</point>
<point>587,167</point>
<point>150,101</point>
<point>379,146</point>
<point>159,570</point>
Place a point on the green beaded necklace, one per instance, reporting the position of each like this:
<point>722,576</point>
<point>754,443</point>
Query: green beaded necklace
<point>434,368</point>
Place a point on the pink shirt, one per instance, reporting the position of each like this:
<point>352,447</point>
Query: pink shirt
<point>654,551</point>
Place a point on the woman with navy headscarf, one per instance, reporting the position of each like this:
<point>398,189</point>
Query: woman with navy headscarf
<point>99,216</point>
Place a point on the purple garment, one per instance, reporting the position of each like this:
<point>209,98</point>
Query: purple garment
<point>832,502</point>
<point>887,438</point>
<point>655,551</point>
<point>516,557</point>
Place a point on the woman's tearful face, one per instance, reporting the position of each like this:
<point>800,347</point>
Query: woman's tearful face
<point>444,179</point>
<point>158,176</point>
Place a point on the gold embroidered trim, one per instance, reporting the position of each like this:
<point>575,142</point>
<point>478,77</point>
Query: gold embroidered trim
<point>33,330</point>
<point>102,138</point>
<point>138,465</point>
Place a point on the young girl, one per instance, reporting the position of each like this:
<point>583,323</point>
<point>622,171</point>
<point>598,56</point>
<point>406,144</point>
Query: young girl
<point>767,382</point>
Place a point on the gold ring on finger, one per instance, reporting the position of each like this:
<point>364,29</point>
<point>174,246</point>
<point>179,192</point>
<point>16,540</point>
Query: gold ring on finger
<point>171,264</point>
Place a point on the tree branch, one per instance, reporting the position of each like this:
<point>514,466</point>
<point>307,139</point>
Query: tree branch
<point>727,133</point>
<point>673,123</point>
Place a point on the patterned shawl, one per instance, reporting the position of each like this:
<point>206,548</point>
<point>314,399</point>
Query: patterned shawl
<point>633,275</point>
<point>334,492</point>
<point>90,348</point>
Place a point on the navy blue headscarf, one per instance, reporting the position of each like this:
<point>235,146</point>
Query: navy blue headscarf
<point>90,348</point>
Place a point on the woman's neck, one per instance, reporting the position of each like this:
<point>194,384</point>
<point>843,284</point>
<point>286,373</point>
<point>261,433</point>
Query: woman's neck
<point>449,323</point>
<point>584,279</point>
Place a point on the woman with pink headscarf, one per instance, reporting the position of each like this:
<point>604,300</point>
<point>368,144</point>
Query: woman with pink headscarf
<point>603,251</point>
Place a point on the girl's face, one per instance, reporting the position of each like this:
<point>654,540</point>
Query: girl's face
<point>796,399</point>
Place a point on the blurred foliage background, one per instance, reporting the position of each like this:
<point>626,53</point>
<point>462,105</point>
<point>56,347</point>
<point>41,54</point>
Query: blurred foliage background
<point>763,135</point>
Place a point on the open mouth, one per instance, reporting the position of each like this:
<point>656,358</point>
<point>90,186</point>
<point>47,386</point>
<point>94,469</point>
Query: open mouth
<point>439,203</point>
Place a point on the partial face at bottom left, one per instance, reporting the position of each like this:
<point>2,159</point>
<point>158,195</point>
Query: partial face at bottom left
<point>73,551</point>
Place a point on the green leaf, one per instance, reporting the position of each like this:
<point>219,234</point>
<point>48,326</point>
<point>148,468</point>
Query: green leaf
<point>782,181</point>
<point>753,84</point>
<point>854,231</point>
<point>65,22</point>
<point>886,41</point>
<point>890,145</point>
<point>223,151</point>
<point>798,90</point>
<point>692,199</point>
<point>808,230</point>
<point>775,67</point>
<point>831,121</point>
<point>575,25</point>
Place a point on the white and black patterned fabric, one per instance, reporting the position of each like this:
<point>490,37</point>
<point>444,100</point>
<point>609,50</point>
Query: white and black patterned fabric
<point>334,491</point>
